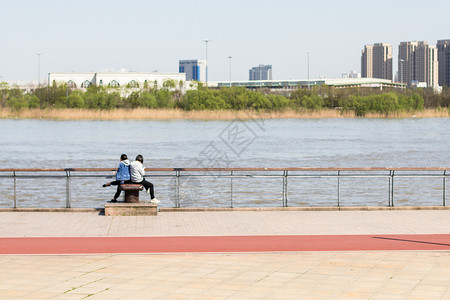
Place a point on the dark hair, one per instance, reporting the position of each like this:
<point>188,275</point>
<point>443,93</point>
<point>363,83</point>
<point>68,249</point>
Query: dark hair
<point>140,158</point>
<point>123,157</point>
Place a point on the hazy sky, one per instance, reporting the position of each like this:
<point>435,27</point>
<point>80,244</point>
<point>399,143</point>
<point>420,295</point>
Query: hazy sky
<point>138,35</point>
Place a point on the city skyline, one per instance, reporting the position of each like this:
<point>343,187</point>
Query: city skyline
<point>145,36</point>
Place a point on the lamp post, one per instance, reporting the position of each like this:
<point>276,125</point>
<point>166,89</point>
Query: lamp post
<point>260,75</point>
<point>307,54</point>
<point>39,76</point>
<point>206,64</point>
<point>230,57</point>
<point>39,68</point>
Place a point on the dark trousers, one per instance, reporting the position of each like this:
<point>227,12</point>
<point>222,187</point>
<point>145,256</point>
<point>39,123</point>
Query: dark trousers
<point>148,185</point>
<point>118,183</point>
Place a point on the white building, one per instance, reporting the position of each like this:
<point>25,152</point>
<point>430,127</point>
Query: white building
<point>135,80</point>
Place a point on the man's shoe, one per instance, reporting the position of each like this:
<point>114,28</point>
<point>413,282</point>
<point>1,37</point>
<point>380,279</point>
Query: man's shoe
<point>113,200</point>
<point>155,201</point>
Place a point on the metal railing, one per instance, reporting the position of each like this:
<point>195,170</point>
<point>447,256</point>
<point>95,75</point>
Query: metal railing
<point>284,174</point>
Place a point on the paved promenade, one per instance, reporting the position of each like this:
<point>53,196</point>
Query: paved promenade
<point>350,274</point>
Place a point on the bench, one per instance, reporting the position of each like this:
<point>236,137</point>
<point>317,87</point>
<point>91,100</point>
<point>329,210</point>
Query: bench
<point>131,192</point>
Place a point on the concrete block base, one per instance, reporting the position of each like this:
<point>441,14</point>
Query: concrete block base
<point>130,209</point>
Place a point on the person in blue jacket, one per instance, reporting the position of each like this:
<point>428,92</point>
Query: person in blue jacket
<point>122,176</point>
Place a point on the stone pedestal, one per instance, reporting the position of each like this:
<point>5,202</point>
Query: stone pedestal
<point>130,209</point>
<point>131,192</point>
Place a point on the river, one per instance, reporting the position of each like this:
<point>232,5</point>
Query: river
<point>353,142</point>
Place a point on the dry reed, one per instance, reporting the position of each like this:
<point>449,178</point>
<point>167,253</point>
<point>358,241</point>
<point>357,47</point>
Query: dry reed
<point>170,114</point>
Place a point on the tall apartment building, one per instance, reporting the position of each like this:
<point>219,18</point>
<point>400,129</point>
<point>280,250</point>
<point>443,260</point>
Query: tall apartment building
<point>406,61</point>
<point>443,48</point>
<point>417,62</point>
<point>376,61</point>
<point>261,72</point>
<point>195,69</point>
<point>367,62</point>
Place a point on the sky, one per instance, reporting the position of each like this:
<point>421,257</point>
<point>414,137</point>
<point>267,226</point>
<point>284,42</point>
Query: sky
<point>144,36</point>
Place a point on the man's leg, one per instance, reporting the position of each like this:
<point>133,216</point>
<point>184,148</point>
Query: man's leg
<point>117,194</point>
<point>148,185</point>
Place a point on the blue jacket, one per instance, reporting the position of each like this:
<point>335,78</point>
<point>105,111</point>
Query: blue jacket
<point>123,171</point>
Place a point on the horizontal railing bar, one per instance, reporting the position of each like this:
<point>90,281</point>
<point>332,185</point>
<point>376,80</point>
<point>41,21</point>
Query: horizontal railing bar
<point>232,176</point>
<point>35,176</point>
<point>224,169</point>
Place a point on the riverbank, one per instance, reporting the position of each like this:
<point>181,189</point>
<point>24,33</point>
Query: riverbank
<point>172,114</point>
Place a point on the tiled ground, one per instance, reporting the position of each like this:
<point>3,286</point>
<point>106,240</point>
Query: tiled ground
<point>226,223</point>
<point>313,275</point>
<point>291,275</point>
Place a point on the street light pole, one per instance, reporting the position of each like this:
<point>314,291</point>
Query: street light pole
<point>206,65</point>
<point>260,75</point>
<point>39,77</point>
<point>230,57</point>
<point>39,68</point>
<point>307,54</point>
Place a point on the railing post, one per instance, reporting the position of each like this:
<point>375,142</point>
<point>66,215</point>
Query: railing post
<point>285,190</point>
<point>443,190</point>
<point>338,188</point>
<point>177,189</point>
<point>389,189</point>
<point>68,196</point>
<point>231,189</point>
<point>15,190</point>
<point>392,188</point>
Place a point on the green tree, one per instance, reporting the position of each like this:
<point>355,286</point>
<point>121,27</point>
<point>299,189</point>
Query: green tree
<point>32,101</point>
<point>148,100</point>
<point>164,99</point>
<point>76,100</point>
<point>169,84</point>
<point>417,102</point>
<point>17,103</point>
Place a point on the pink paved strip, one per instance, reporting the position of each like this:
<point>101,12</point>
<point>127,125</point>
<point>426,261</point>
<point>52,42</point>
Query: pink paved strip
<point>97,245</point>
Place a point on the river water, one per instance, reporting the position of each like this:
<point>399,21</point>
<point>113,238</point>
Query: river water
<point>350,142</point>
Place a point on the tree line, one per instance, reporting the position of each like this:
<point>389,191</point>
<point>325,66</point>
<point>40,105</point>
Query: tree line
<point>359,100</point>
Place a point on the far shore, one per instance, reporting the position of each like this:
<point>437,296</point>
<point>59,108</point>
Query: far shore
<point>173,114</point>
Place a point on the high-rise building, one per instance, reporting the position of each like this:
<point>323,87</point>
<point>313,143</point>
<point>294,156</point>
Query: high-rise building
<point>376,61</point>
<point>443,48</point>
<point>417,62</point>
<point>261,72</point>
<point>195,69</point>
<point>367,62</point>
<point>406,61</point>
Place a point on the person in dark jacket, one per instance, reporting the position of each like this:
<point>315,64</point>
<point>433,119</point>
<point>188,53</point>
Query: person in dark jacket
<point>122,176</point>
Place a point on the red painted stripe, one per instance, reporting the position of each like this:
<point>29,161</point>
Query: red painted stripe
<point>87,245</point>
